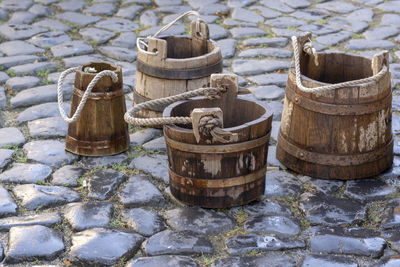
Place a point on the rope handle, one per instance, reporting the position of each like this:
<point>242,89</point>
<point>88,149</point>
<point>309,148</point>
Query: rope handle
<point>140,41</point>
<point>210,126</point>
<point>85,96</point>
<point>310,50</point>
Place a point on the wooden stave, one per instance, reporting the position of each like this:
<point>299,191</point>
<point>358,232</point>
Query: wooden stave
<point>111,136</point>
<point>338,172</point>
<point>248,191</point>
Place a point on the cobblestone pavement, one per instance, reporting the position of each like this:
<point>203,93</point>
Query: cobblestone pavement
<point>60,209</point>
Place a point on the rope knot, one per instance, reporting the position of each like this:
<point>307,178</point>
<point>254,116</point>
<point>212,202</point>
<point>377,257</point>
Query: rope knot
<point>310,50</point>
<point>212,127</point>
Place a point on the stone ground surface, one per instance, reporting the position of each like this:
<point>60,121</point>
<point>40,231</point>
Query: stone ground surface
<point>58,209</point>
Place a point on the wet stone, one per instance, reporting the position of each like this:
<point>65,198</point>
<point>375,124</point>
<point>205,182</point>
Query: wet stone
<point>119,53</point>
<point>49,152</point>
<point>241,32</point>
<point>48,127</point>
<point>326,186</point>
<point>51,24</point>
<point>279,226</point>
<point>390,262</point>
<point>126,40</point>
<point>227,47</point>
<point>267,207</point>
<point>368,189</point>
<point>363,44</point>
<point>164,260</point>
<point>26,173</point>
<point>334,38</point>
<point>19,31</point>
<point>104,183</point>
<point>393,237</point>
<point>33,196</point>
<point>156,165</point>
<point>381,33</point>
<point>329,210</point>
<point>252,67</point>
<point>16,48</point>
<point>157,144</point>
<point>72,48</point>
<point>95,162</point>
<point>28,243</point>
<point>242,244</point>
<point>144,222</point>
<point>246,15</point>
<point>21,17</point>
<point>39,95</point>
<point>45,110</point>
<point>99,246</point>
<point>117,24</point>
<point>149,18</point>
<point>67,175</point>
<point>5,157</point>
<point>393,219</point>
<point>269,92</point>
<point>281,184</point>
<point>256,261</point>
<point>71,5</point>
<point>140,137</point>
<point>278,79</point>
<point>139,191</point>
<point>85,215</point>
<point>11,136</point>
<point>7,204</point>
<point>181,242</point>
<point>202,221</point>
<point>77,18</point>
<point>129,12</point>
<point>11,61</point>
<point>266,12</point>
<point>106,9</point>
<point>46,219</point>
<point>328,260</point>
<point>17,84</point>
<point>48,39</point>
<point>97,35</point>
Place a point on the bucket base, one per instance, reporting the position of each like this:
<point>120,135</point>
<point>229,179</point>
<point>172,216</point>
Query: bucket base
<point>97,148</point>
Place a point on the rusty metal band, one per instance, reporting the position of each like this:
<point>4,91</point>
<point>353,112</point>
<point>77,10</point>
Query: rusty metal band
<point>179,74</point>
<point>338,109</point>
<point>100,95</point>
<point>222,149</point>
<point>217,183</point>
<point>141,99</point>
<point>331,159</point>
<point>104,144</point>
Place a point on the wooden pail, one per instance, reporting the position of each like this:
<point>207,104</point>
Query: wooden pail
<point>212,174</point>
<point>178,64</point>
<point>343,133</point>
<point>100,129</point>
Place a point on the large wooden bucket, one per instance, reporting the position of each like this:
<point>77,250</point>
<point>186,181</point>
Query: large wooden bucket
<point>100,129</point>
<point>179,64</point>
<point>338,134</point>
<point>213,174</point>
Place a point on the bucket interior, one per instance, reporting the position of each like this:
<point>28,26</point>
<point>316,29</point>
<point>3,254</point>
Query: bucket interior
<point>337,67</point>
<point>235,114</point>
<point>186,47</point>
<point>99,66</point>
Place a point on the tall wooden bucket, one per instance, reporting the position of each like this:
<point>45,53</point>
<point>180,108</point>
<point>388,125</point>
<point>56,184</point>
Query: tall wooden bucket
<point>209,173</point>
<point>173,65</point>
<point>343,133</point>
<point>100,129</point>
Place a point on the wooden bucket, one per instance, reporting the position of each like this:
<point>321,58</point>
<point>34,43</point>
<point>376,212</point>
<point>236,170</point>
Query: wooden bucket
<point>213,174</point>
<point>179,64</point>
<point>337,134</point>
<point>100,129</point>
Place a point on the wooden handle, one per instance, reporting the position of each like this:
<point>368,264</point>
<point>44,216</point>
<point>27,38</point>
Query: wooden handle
<point>199,30</point>
<point>380,59</point>
<point>199,113</point>
<point>159,46</point>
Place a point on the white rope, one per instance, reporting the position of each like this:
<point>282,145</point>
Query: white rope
<point>373,78</point>
<point>85,96</point>
<point>141,41</point>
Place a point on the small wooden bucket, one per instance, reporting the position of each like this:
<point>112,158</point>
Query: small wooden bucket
<point>343,133</point>
<point>211,174</point>
<point>173,65</point>
<point>100,129</point>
